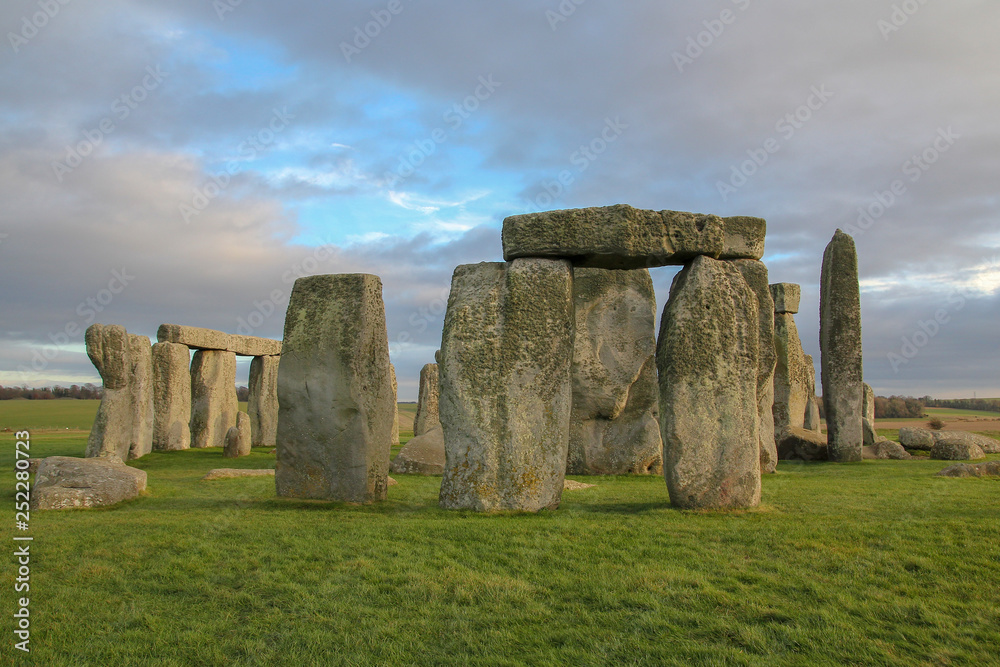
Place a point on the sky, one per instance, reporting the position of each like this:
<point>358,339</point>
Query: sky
<point>185,161</point>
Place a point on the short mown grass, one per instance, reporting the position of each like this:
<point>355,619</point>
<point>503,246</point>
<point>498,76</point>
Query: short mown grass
<point>879,562</point>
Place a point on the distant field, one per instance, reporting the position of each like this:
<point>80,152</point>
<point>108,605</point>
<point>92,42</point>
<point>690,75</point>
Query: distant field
<point>60,413</point>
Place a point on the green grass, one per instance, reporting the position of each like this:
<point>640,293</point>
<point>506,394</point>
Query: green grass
<point>871,563</point>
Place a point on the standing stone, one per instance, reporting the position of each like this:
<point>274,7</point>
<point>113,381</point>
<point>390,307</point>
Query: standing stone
<point>394,436</point>
<point>238,437</point>
<point>171,396</point>
<point>213,397</point>
<point>840,347</point>
<point>262,405</point>
<point>427,418</point>
<point>614,428</point>
<point>109,347</point>
<point>755,274</point>
<point>334,391</point>
<point>868,433</point>
<point>812,419</point>
<point>708,357</point>
<point>141,389</point>
<point>791,374</point>
<point>506,388</point>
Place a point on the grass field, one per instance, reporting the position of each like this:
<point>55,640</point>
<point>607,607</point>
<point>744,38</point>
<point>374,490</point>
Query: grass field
<point>871,563</point>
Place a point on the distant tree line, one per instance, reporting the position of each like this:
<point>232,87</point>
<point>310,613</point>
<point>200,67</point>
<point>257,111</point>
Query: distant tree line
<point>47,393</point>
<point>984,404</point>
<point>899,407</point>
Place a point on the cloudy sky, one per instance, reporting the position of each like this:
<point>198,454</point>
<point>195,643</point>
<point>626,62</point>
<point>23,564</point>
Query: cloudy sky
<point>185,160</point>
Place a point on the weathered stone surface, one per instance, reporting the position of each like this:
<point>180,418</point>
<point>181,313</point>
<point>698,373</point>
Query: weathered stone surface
<point>988,469</point>
<point>868,433</point>
<point>213,397</point>
<point>506,388</point>
<point>885,449</point>
<point>238,438</point>
<point>427,417</point>
<point>985,443</point>
<point>791,375</point>
<point>141,389</point>
<point>210,339</point>
<point>572,485</point>
<point>422,455</point>
<point>335,393</point>
<point>622,237</point>
<point>171,396</point>
<point>786,297</point>
<point>956,450</point>
<point>64,482</point>
<point>262,406</point>
<point>840,345</point>
<point>812,420</point>
<point>799,444</point>
<point>755,274</point>
<point>233,473</point>
<point>708,357</point>
<point>33,464</point>
<point>110,348</point>
<point>916,438</point>
<point>394,435</point>
<point>613,427</point>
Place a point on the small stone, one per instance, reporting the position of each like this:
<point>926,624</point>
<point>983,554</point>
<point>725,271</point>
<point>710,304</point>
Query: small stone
<point>956,450</point>
<point>799,444</point>
<point>238,438</point>
<point>572,485</point>
<point>885,449</point>
<point>916,438</point>
<point>988,469</point>
<point>64,482</point>
<point>232,473</point>
<point>422,455</point>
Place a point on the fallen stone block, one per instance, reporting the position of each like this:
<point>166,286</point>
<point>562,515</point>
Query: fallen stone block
<point>64,482</point>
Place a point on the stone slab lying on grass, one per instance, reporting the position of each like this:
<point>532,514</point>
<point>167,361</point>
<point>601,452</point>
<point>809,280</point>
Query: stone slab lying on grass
<point>231,473</point>
<point>799,444</point>
<point>916,438</point>
<point>571,485</point>
<point>64,482</point>
<point>956,450</point>
<point>885,449</point>
<point>422,455</point>
<point>622,237</point>
<point>924,439</point>
<point>988,469</point>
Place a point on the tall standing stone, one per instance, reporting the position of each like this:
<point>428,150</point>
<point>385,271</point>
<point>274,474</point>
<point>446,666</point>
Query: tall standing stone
<point>213,397</point>
<point>171,396</point>
<point>840,347</point>
<point>334,391</point>
<point>427,417</point>
<point>262,405</point>
<point>791,374</point>
<point>109,347</point>
<point>708,357</point>
<point>812,421</point>
<point>868,432</point>
<point>755,274</point>
<point>141,389</point>
<point>614,428</point>
<point>394,436</point>
<point>506,388</point>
